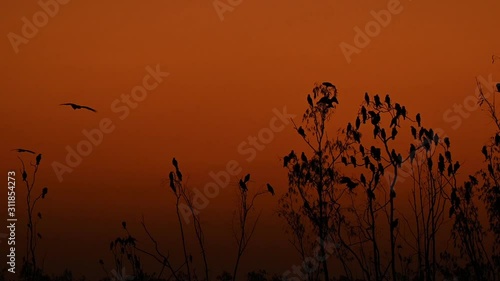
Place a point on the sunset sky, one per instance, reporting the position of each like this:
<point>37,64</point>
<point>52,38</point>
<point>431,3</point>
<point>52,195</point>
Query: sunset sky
<point>225,79</point>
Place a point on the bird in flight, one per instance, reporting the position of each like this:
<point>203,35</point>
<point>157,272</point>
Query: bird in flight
<point>76,106</point>
<point>21,150</point>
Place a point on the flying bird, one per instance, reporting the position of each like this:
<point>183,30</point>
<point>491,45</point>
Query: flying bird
<point>21,150</point>
<point>270,189</point>
<point>76,106</point>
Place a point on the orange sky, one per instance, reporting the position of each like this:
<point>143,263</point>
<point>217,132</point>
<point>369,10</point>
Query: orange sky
<point>225,79</point>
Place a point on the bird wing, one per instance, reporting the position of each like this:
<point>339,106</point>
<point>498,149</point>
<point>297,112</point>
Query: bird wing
<point>23,150</point>
<point>89,108</point>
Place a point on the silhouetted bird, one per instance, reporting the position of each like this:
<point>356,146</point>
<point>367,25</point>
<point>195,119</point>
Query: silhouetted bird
<point>21,150</point>
<point>270,189</point>
<point>447,154</point>
<point>76,106</point>
<point>358,123</point>
<point>485,152</point>
<point>301,132</point>
<point>172,183</point>
<point>418,119</point>
<point>498,87</point>
<point>362,179</point>
<point>328,84</point>
<point>39,215</point>
<point>44,192</point>
<point>38,159</point>
<point>174,162</point>
<point>395,223</point>
<point>344,160</point>
<point>303,157</point>
<point>179,174</point>
<point>124,225</point>
<point>370,193</point>
<point>473,179</point>
<point>376,98</point>
<point>413,150</point>
<point>447,142</point>
<point>367,98</point>
<point>353,161</point>
<point>414,132</point>
<point>243,185</point>
<point>247,178</point>
<point>286,160</point>
<point>309,100</point>
<point>348,182</point>
<point>388,101</point>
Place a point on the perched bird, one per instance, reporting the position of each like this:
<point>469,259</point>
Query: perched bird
<point>378,103</point>
<point>418,119</point>
<point>348,182</point>
<point>447,142</point>
<point>309,100</point>
<point>485,152</point>
<point>76,106</point>
<point>172,183</point>
<point>21,150</point>
<point>38,159</point>
<point>498,87</point>
<point>301,132</point>
<point>388,101</point>
<point>179,174</point>
<point>367,98</point>
<point>243,185</point>
<point>286,160</point>
<point>328,84</point>
<point>174,162</point>
<point>395,223</point>
<point>44,192</point>
<point>124,225</point>
<point>414,132</point>
<point>270,189</point>
<point>303,157</point>
<point>247,178</point>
